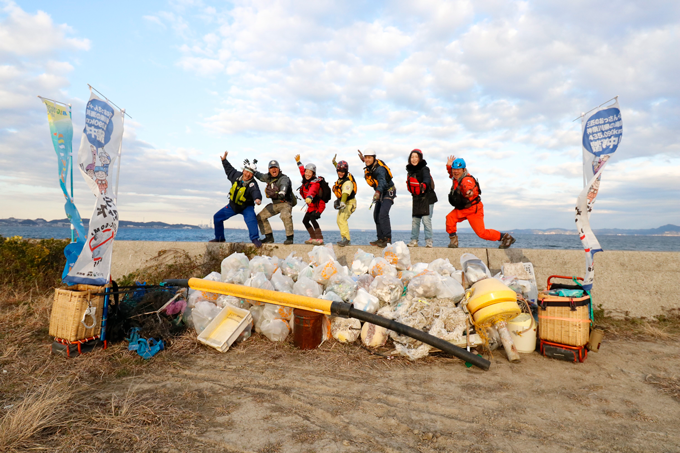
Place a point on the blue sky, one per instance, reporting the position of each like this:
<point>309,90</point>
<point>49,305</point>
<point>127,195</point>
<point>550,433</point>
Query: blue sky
<point>495,82</point>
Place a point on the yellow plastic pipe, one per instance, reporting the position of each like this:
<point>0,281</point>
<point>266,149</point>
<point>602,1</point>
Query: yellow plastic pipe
<point>262,295</point>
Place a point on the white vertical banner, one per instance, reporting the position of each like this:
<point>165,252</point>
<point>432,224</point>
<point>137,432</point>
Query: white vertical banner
<point>602,131</point>
<point>100,146</point>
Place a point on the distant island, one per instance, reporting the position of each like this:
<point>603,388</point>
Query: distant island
<point>666,230</point>
<point>86,222</point>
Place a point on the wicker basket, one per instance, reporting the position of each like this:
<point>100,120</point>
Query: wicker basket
<point>564,320</point>
<point>68,309</point>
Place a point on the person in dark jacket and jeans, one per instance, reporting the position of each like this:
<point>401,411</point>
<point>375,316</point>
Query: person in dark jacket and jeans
<point>311,193</point>
<point>379,177</point>
<point>279,190</point>
<point>421,186</point>
<point>243,197</point>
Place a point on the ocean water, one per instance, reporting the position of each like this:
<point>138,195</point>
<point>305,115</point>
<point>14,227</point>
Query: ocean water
<point>363,237</point>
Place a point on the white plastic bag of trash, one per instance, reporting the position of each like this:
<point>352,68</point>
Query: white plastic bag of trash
<point>380,266</point>
<point>259,280</point>
<point>474,269</point>
<point>256,312</point>
<point>364,281</point>
<point>321,253</point>
<point>345,330</point>
<point>441,266</point>
<point>386,288</point>
<point>449,288</point>
<point>232,301</point>
<point>343,286</point>
<point>373,336</point>
<point>203,313</point>
<point>330,295</point>
<point>213,277</point>
<point>275,329</point>
<point>425,285</point>
<point>307,272</point>
<point>366,302</point>
<point>234,262</point>
<point>361,262</point>
<point>324,271</point>
<point>419,352</point>
<point>281,282</point>
<point>307,287</point>
<point>292,266</point>
<point>398,255</point>
<point>263,264</point>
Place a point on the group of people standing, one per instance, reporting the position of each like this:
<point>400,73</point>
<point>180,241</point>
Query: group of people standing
<point>464,196</point>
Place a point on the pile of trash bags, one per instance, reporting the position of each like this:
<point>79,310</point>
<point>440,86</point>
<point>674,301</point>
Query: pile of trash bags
<point>421,295</point>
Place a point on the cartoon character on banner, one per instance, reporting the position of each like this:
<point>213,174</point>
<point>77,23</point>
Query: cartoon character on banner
<point>104,158</point>
<point>89,169</point>
<point>101,174</point>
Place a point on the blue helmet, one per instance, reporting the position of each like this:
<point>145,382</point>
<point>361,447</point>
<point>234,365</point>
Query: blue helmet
<point>458,163</point>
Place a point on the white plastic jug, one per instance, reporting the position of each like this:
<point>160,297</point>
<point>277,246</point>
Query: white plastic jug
<point>526,341</point>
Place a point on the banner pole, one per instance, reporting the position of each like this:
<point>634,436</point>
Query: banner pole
<point>73,200</point>
<point>120,155</point>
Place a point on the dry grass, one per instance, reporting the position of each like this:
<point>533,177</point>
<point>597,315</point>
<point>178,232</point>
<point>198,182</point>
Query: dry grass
<point>667,385</point>
<point>665,327</point>
<point>42,412</point>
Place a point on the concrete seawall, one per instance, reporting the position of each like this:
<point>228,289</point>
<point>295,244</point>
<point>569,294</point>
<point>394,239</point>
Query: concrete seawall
<point>639,284</point>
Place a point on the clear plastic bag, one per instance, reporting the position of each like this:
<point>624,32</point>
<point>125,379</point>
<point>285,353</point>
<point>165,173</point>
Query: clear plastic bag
<point>325,271</point>
<point>233,263</point>
<point>292,266</point>
<point>282,282</point>
<point>263,264</point>
<point>307,272</point>
<point>366,302</point>
<point>398,255</point>
<point>259,280</point>
<point>387,289</point>
<point>213,277</point>
<point>330,295</point>
<point>272,311</point>
<point>426,284</point>
<point>275,329</point>
<point>236,276</point>
<point>223,301</point>
<point>194,297</point>
<point>419,352</point>
<point>256,312</point>
<point>203,313</point>
<point>343,286</point>
<point>380,266</point>
<point>474,269</point>
<point>361,262</point>
<point>406,276</point>
<point>321,253</point>
<point>307,287</point>
<point>364,281</point>
<point>441,266</point>
<point>419,267</point>
<point>449,288</point>
<point>345,330</point>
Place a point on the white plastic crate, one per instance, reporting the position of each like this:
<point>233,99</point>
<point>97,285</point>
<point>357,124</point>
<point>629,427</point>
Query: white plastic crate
<point>225,328</point>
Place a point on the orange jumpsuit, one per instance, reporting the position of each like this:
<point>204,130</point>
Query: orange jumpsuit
<point>474,214</point>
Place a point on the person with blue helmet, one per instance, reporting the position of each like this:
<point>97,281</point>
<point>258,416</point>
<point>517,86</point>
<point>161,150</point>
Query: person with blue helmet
<point>465,197</point>
<point>243,197</point>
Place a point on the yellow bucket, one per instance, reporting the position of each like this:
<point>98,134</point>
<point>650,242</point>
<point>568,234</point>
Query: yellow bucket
<point>488,292</point>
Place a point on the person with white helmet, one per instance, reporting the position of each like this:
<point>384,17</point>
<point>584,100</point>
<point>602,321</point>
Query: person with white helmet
<point>311,192</point>
<point>465,197</point>
<point>379,176</point>
<point>243,197</point>
<point>280,191</point>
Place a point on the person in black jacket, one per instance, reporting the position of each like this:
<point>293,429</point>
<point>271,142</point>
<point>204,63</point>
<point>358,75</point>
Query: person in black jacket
<point>379,176</point>
<point>421,186</point>
<point>243,197</point>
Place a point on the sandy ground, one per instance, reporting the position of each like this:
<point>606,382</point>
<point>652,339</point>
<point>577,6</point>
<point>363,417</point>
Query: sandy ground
<point>261,397</point>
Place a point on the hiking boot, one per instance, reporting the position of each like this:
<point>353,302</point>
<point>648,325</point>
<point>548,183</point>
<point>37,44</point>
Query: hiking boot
<point>310,241</point>
<point>375,243</point>
<point>268,238</point>
<point>428,243</point>
<point>453,244</point>
<point>217,240</point>
<point>413,243</point>
<point>506,241</point>
<point>289,240</point>
<point>343,242</point>
<point>382,243</point>
<point>257,243</point>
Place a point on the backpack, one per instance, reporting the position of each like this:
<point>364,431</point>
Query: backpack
<point>324,190</point>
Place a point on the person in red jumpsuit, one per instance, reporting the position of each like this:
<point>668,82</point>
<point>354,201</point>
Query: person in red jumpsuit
<point>465,197</point>
<point>311,193</point>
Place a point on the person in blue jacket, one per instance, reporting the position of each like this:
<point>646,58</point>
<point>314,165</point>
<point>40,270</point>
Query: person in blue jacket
<point>243,197</point>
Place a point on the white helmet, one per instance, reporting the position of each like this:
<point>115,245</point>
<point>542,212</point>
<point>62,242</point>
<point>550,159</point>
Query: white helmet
<point>369,152</point>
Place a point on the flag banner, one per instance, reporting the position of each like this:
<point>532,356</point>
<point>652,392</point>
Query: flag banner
<point>61,129</point>
<point>602,131</point>
<point>99,149</point>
